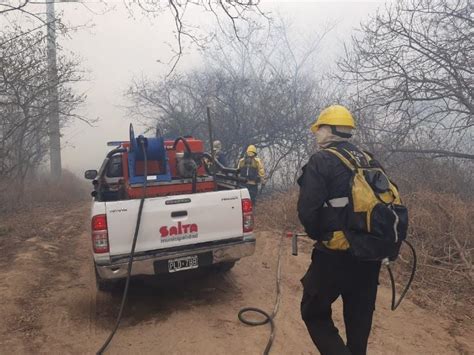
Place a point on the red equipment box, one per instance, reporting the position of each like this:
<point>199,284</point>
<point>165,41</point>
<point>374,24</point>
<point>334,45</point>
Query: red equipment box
<point>178,185</point>
<point>195,145</point>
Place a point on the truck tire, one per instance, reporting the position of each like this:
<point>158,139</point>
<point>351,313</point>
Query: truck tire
<point>104,285</point>
<point>224,266</point>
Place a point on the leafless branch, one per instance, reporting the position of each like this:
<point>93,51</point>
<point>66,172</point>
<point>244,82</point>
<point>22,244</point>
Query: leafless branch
<point>441,153</point>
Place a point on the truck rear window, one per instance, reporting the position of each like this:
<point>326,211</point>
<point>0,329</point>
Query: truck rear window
<point>114,168</point>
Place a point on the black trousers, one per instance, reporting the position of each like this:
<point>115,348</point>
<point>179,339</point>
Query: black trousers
<point>328,277</point>
<point>253,191</point>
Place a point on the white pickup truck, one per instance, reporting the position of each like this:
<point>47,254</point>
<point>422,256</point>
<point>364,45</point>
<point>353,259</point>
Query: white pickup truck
<point>177,232</point>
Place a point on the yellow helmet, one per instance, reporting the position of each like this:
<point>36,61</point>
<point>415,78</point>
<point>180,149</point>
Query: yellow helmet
<point>251,149</point>
<point>335,115</point>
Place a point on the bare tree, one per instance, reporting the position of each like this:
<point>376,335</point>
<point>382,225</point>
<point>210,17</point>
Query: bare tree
<point>262,91</point>
<point>242,15</point>
<point>25,102</point>
<point>32,18</point>
<point>20,6</point>
<point>410,74</point>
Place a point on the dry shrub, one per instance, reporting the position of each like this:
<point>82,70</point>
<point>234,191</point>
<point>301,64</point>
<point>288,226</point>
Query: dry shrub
<point>445,176</point>
<point>278,212</point>
<point>69,188</point>
<point>442,232</point>
<point>41,190</point>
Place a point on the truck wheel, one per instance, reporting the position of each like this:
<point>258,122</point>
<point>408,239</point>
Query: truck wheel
<point>104,285</point>
<point>224,266</point>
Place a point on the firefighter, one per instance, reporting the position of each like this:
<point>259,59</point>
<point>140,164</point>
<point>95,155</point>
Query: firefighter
<point>251,168</point>
<point>333,272</point>
<point>218,153</point>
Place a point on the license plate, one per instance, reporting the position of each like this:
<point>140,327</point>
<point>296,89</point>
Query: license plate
<point>185,263</point>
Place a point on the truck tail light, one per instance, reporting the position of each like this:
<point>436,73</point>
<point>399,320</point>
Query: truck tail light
<point>100,237</point>
<point>247,215</point>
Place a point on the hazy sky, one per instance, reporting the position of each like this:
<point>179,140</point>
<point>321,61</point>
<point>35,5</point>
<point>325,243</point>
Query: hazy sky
<point>119,47</point>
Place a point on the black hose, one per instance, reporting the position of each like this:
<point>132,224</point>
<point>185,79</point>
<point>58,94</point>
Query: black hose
<point>219,165</point>
<point>115,151</point>
<point>194,181</point>
<point>395,304</point>
<point>268,317</point>
<point>185,142</point>
<point>132,254</point>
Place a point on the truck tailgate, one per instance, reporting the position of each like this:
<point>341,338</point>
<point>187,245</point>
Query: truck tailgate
<point>174,221</point>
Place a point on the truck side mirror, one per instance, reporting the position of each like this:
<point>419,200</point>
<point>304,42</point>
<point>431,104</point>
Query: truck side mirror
<point>90,174</point>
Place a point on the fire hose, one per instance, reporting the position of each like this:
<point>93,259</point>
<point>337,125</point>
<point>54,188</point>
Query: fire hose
<point>142,142</point>
<point>269,318</point>
<point>395,303</point>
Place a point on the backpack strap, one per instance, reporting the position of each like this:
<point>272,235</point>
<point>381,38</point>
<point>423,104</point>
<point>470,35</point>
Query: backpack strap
<point>368,156</point>
<point>357,159</point>
<point>342,158</point>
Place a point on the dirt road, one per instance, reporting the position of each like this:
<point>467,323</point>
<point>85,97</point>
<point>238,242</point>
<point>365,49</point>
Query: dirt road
<point>50,305</point>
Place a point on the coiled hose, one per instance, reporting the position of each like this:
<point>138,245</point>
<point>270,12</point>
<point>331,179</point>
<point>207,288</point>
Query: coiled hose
<point>132,252</point>
<point>268,318</point>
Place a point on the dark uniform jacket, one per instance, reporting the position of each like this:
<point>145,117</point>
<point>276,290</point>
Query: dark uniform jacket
<point>324,178</point>
<point>221,158</point>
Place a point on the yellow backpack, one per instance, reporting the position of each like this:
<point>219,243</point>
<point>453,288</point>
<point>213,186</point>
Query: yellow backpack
<point>375,220</point>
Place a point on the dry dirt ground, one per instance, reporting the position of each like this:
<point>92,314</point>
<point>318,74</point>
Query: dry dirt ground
<point>49,303</point>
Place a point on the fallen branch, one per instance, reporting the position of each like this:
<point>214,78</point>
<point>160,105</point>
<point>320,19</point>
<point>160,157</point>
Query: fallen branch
<point>441,153</point>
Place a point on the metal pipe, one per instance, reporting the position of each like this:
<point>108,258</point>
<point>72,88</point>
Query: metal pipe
<point>211,138</point>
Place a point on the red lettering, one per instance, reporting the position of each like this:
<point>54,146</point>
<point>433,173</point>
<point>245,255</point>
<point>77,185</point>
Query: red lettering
<point>179,229</point>
<point>164,231</point>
